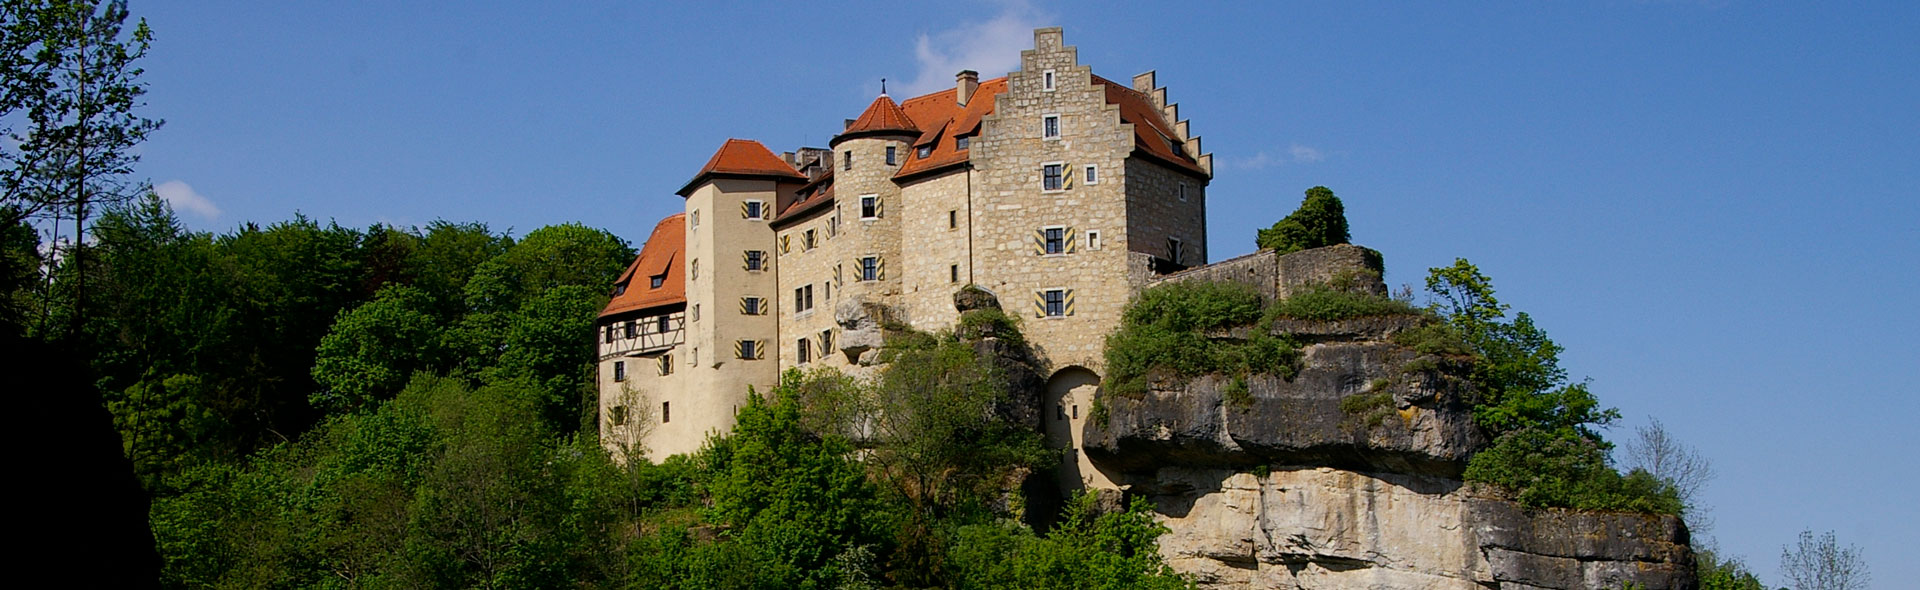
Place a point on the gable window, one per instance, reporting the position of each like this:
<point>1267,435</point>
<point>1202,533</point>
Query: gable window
<point>962,142</point>
<point>923,152</point>
<point>755,210</point>
<point>1053,240</point>
<point>1093,174</point>
<point>869,206</point>
<point>665,365</point>
<point>804,350</point>
<point>1050,177</point>
<point>755,259</point>
<point>1050,127</point>
<point>891,157</point>
<point>1093,239</point>
<point>846,161</point>
<point>657,281</point>
<point>1046,80</point>
<point>803,299</point>
<point>1176,251</point>
<point>869,268</point>
<point>619,370</point>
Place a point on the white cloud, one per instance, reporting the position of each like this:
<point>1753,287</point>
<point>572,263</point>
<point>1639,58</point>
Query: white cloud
<point>1295,154</point>
<point>183,198</point>
<point>990,47</point>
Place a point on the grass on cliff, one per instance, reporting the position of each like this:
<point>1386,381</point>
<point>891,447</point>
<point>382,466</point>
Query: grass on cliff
<point>1164,331</point>
<point>1343,297</point>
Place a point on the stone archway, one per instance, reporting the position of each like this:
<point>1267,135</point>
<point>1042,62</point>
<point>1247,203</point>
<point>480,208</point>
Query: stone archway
<point>1069,402</point>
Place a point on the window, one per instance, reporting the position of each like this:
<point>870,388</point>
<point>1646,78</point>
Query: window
<point>953,273</point>
<point>869,268</point>
<point>1059,412</point>
<point>1183,192</point>
<point>1093,239</point>
<point>833,223</point>
<point>826,341</point>
<point>693,219</point>
<point>1093,174</point>
<point>666,412</point>
<point>869,206</point>
<point>1050,127</point>
<point>1046,80</point>
<point>962,142</point>
<point>619,370</point>
<point>618,414</point>
<point>1076,411</point>
<point>1054,303</point>
<point>924,152</point>
<point>609,334</point>
<point>665,364</point>
<point>891,158</point>
<point>803,299</point>
<point>748,349</point>
<point>805,350</point>
<point>1176,251</point>
<point>807,240</point>
<point>751,305</point>
<point>754,210</point>
<point>696,312</point>
<point>827,288</point>
<point>1050,177</point>
<point>953,219</point>
<point>754,260</point>
<point>695,269</point>
<point>1053,240</point>
<point>629,329</point>
<point>658,280</point>
<point>660,324</point>
<point>619,289</point>
<point>846,162</point>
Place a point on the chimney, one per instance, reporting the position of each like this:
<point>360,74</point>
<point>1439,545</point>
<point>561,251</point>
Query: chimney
<point>964,83</point>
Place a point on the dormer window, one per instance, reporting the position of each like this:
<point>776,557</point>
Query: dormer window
<point>925,151</point>
<point>657,281</point>
<point>962,142</point>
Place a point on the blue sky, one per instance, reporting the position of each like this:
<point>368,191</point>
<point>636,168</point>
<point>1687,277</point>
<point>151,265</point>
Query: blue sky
<point>1712,205</point>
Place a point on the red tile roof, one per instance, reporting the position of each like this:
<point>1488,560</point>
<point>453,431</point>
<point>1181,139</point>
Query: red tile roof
<point>739,158</point>
<point>883,116</point>
<point>943,120</point>
<point>811,197</point>
<point>659,257</point>
<point>1151,131</point>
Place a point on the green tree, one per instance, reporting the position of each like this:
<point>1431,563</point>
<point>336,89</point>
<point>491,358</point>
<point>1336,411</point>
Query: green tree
<point>1088,550</point>
<point>1320,221</point>
<point>372,350</point>
<point>1717,573</point>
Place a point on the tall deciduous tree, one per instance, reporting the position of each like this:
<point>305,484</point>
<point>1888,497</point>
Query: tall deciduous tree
<point>1321,220</point>
<point>1820,563</point>
<point>1657,452</point>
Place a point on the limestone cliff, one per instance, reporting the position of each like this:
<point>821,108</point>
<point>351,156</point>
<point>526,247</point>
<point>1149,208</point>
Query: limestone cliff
<point>1347,476</point>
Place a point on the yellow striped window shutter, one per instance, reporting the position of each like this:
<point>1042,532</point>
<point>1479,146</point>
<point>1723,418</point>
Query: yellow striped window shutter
<point>1069,304</point>
<point>1039,304</point>
<point>786,243</point>
<point>759,349</point>
<point>1040,242</point>
<point>739,349</point>
<point>744,214</point>
<point>1070,240</point>
<point>1066,176</point>
<point>880,268</point>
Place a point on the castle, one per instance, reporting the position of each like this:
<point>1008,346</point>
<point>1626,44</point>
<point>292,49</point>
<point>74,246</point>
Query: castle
<point>1060,192</point>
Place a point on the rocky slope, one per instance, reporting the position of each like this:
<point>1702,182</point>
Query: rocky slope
<point>1347,476</point>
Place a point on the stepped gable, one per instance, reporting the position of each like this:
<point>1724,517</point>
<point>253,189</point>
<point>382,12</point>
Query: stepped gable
<point>1151,132</point>
<point>659,257</point>
<point>742,158</point>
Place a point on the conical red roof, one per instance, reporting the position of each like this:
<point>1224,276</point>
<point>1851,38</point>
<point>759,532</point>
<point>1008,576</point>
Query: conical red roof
<point>883,116</point>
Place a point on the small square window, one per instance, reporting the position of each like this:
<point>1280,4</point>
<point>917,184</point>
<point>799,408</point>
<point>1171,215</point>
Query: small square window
<point>923,152</point>
<point>753,306</point>
<point>1093,174</point>
<point>756,260</point>
<point>753,209</point>
<point>1093,239</point>
<point>1050,177</point>
<point>1054,302</point>
<point>892,158</point>
<point>656,281</point>
<point>1054,240</point>
<point>962,142</point>
<point>870,268</point>
<point>619,370</point>
<point>869,206</point>
<point>1050,127</point>
<point>747,349</point>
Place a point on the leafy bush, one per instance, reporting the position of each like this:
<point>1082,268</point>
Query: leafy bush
<point>1088,550</point>
<point>1320,221</point>
<point>1562,468</point>
<point>1165,329</point>
<point>1370,408</point>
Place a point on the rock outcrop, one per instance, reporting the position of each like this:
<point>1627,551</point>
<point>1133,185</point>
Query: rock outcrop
<point>1347,475</point>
